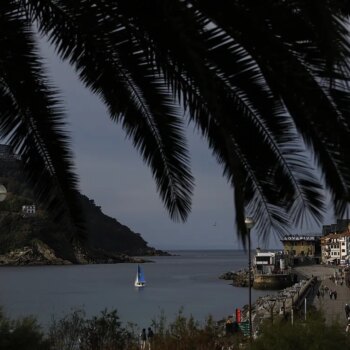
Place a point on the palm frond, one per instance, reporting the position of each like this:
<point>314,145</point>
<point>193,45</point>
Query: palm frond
<point>32,119</point>
<point>265,82</point>
<point>108,62</point>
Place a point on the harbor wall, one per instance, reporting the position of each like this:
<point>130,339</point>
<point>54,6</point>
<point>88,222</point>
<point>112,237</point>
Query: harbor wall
<point>273,281</point>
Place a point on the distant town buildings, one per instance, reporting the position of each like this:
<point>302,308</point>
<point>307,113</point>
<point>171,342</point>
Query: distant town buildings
<point>332,246</point>
<point>335,243</point>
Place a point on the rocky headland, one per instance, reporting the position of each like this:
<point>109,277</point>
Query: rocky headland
<point>34,238</point>
<point>39,253</point>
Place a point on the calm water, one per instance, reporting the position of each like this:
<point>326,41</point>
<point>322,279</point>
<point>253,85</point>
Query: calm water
<point>188,280</point>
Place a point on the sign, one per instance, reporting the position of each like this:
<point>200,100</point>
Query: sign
<point>244,327</point>
<point>298,238</point>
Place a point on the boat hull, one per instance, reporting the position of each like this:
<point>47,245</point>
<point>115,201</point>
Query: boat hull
<point>140,278</point>
<point>140,284</point>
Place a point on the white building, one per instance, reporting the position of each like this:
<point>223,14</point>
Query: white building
<point>336,248</point>
<point>28,210</point>
<point>268,262</point>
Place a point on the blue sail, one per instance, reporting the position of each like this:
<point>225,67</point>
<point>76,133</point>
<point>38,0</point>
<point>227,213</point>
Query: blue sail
<point>141,276</point>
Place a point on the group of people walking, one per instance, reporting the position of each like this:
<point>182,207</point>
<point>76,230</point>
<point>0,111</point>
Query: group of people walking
<point>146,339</point>
<point>325,290</point>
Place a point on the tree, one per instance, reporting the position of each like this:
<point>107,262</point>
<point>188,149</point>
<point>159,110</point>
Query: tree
<point>265,82</point>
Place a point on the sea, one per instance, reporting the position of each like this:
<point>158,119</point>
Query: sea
<point>187,281</point>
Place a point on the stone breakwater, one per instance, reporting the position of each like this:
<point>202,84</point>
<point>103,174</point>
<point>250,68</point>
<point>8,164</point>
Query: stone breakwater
<point>264,281</point>
<point>282,304</point>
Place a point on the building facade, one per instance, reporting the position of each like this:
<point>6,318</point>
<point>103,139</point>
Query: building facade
<point>336,248</point>
<point>302,245</point>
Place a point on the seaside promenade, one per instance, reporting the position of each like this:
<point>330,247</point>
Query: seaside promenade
<point>334,309</point>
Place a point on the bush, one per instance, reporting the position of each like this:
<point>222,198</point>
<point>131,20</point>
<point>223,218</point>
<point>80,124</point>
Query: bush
<point>314,334</point>
<point>102,332</point>
<point>105,332</point>
<point>187,334</point>
<point>21,334</point>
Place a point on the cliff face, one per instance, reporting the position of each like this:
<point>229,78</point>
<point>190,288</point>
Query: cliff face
<point>31,237</point>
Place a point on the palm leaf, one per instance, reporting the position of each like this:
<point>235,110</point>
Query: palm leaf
<point>32,120</point>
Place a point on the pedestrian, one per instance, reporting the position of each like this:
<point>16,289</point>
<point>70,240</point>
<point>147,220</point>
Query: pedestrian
<point>347,311</point>
<point>330,294</point>
<point>150,335</point>
<point>143,339</point>
<point>229,326</point>
<point>335,294</point>
<point>348,326</point>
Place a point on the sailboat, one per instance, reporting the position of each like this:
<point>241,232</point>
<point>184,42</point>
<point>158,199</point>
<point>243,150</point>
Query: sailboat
<point>140,277</point>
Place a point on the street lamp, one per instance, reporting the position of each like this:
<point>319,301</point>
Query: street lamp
<point>271,302</point>
<point>249,223</point>
<point>283,298</point>
<point>3,192</point>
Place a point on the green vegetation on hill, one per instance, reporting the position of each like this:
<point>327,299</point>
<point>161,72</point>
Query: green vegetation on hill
<point>104,236</point>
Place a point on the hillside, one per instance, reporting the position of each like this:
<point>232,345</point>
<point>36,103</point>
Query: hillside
<point>106,239</point>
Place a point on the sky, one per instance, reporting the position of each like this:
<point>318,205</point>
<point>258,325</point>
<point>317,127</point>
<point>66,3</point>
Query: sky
<point>112,173</point>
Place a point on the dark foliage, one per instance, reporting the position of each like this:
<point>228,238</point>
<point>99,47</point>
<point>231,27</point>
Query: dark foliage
<point>23,333</point>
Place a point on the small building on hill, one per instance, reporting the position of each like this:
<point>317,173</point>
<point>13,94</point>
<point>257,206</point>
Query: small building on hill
<point>28,210</point>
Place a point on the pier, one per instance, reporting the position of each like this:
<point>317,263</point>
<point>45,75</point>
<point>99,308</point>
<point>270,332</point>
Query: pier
<point>300,298</point>
<point>285,304</point>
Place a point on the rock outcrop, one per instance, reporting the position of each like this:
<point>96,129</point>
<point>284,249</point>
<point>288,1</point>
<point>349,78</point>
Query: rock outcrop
<point>38,253</point>
<point>239,278</point>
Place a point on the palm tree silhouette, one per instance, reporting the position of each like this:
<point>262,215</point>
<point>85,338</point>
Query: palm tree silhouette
<point>265,82</point>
